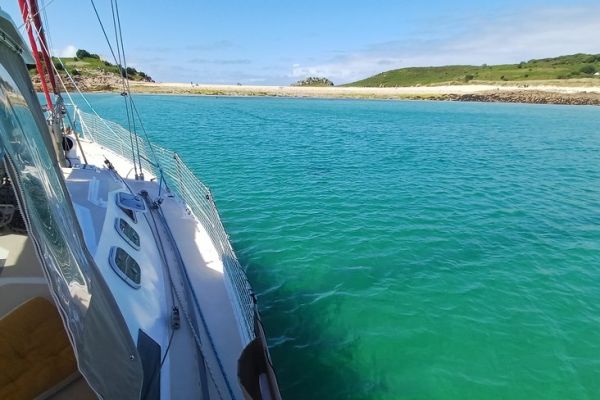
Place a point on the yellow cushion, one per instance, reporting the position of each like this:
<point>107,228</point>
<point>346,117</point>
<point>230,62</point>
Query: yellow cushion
<point>35,353</point>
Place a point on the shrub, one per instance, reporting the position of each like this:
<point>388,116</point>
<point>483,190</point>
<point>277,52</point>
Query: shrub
<point>469,77</point>
<point>591,59</point>
<point>58,66</point>
<point>588,69</point>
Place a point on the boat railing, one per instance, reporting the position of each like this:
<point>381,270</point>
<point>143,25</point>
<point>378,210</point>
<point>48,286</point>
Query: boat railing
<point>175,177</point>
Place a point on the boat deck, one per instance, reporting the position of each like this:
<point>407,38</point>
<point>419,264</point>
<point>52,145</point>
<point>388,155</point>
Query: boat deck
<point>177,238</point>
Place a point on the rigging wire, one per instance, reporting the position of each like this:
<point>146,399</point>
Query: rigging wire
<point>124,92</point>
<point>82,95</point>
<point>104,31</point>
<point>33,15</point>
<point>126,80</point>
<point>74,83</point>
<point>46,24</point>
<point>68,94</point>
<point>118,62</point>
<point>128,91</point>
<point>146,136</point>
<point>114,56</point>
<point>50,45</point>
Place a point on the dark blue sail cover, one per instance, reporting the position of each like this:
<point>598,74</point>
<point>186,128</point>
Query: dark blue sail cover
<point>105,351</point>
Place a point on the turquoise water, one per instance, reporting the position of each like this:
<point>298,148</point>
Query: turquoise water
<point>407,250</point>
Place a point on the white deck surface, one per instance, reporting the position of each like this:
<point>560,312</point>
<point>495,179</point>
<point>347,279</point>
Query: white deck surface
<point>149,308</point>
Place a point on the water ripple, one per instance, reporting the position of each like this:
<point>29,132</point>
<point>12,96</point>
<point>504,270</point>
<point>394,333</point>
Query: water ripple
<point>409,249</point>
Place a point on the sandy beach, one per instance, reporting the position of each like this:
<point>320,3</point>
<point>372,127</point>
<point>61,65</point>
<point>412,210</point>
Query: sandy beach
<point>584,92</point>
<point>341,91</point>
<point>571,91</point>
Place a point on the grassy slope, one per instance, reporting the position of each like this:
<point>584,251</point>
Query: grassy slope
<point>90,67</point>
<point>564,67</point>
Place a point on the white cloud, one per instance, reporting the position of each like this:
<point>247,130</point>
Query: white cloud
<point>68,51</point>
<point>507,38</point>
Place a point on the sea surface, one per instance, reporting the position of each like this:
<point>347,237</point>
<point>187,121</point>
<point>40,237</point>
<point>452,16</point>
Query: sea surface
<point>407,250</point>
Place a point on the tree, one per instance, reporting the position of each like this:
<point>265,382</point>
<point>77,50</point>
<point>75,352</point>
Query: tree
<point>82,54</point>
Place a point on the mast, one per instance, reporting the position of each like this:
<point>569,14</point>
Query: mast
<point>26,13</point>
<point>35,13</point>
<point>30,13</point>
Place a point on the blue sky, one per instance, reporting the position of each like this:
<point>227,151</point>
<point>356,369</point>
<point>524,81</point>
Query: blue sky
<point>279,42</point>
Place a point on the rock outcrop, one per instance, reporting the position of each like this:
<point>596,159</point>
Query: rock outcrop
<point>314,81</point>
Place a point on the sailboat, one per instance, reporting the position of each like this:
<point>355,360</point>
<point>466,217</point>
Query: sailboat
<point>117,278</point>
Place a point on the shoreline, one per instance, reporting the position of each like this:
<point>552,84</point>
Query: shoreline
<point>524,93</point>
<point>565,92</point>
<point>483,98</point>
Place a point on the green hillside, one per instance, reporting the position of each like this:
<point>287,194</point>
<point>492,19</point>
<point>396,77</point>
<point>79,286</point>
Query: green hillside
<point>574,66</point>
<point>90,65</point>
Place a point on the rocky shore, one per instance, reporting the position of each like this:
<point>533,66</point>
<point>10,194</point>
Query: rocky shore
<point>533,97</point>
<point>99,82</point>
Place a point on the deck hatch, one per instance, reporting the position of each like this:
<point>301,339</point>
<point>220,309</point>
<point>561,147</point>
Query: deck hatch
<point>130,204</point>
<point>127,232</point>
<point>130,201</point>
<point>126,267</point>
